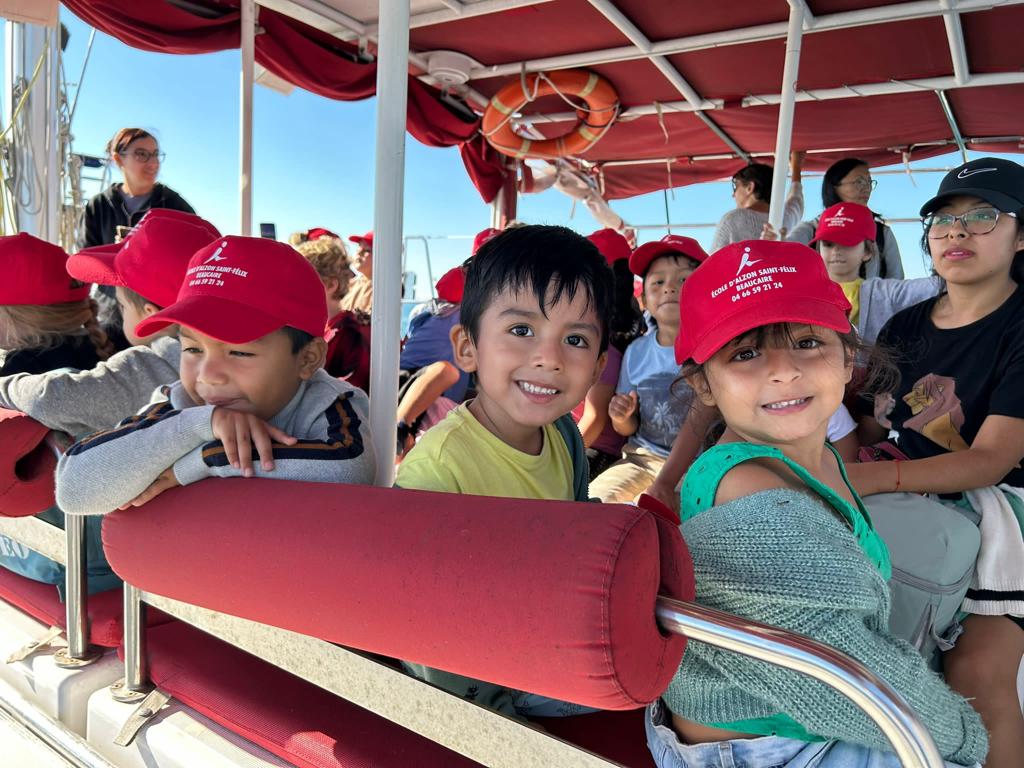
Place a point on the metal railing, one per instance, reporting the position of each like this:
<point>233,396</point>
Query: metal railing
<point>495,740</point>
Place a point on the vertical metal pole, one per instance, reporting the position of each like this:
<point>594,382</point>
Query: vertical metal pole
<point>389,178</point>
<point>498,208</point>
<point>136,674</point>
<point>76,597</point>
<point>52,199</point>
<point>248,35</point>
<point>786,108</point>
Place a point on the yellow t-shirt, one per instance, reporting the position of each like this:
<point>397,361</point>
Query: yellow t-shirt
<point>459,455</point>
<point>852,291</point>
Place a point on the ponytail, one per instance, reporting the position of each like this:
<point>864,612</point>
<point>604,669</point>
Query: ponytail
<point>100,341</point>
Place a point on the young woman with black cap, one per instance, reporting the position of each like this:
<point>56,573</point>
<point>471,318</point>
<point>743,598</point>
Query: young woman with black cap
<point>958,415</point>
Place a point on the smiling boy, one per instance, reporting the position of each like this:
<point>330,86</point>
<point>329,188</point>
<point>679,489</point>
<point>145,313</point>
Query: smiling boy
<point>533,330</point>
<point>252,314</point>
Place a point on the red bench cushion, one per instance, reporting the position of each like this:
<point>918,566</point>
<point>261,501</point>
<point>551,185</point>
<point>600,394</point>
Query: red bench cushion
<point>41,602</point>
<point>26,466</point>
<point>551,597</point>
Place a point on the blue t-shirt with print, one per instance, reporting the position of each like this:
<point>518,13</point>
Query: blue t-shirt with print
<point>650,369</point>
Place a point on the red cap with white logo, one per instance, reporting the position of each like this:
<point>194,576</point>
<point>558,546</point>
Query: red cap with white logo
<point>34,272</point>
<point>152,258</point>
<point>752,283</point>
<point>239,289</point>
<point>846,224</point>
<point>669,245</point>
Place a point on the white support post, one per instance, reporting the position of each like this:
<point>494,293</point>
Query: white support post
<point>389,184</point>
<point>53,199</point>
<point>955,36</point>
<point>786,109</point>
<point>248,44</point>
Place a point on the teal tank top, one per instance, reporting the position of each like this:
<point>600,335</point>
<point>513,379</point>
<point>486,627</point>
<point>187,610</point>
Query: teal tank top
<point>698,494</point>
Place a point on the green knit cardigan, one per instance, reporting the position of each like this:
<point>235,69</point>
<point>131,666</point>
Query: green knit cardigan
<point>782,558</point>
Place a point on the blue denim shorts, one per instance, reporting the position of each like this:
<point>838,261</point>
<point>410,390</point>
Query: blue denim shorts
<point>756,752</point>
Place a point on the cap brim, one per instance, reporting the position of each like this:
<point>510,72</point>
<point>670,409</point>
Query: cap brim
<point>95,265</point>
<point>998,199</point>
<point>842,238</point>
<point>223,319</point>
<point>805,311</point>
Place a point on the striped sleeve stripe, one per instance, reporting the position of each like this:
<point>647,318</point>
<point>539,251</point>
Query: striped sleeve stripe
<point>344,439</point>
<point>151,416</point>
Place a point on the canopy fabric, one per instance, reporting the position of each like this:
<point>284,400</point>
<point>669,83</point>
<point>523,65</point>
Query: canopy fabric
<point>298,53</point>
<point>859,85</point>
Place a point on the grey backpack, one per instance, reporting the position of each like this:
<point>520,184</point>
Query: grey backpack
<point>933,548</point>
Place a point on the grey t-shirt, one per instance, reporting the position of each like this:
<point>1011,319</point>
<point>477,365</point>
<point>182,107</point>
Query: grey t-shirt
<point>649,369</point>
<point>133,203</point>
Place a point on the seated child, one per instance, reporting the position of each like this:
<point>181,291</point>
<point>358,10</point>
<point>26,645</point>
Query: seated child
<point>427,363</point>
<point>845,238</point>
<point>533,330</point>
<point>348,334</point>
<point>644,408</point>
<point>252,314</point>
<point>603,443</point>
<point>778,534</point>
<point>46,318</point>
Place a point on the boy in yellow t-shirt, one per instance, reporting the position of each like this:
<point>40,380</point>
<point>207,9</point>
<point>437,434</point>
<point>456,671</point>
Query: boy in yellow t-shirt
<point>533,330</point>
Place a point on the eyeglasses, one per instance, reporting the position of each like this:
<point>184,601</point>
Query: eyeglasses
<point>143,156</point>
<point>862,182</point>
<point>980,221</point>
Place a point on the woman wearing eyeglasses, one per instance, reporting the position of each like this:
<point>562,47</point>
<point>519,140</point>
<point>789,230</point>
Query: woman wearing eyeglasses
<point>122,205</point>
<point>849,181</point>
<point>957,414</point>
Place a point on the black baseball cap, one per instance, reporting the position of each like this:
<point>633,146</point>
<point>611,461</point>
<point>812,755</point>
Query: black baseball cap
<point>996,181</point>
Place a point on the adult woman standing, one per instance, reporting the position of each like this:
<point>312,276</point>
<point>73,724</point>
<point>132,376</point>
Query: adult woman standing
<point>136,153</point>
<point>752,193</point>
<point>849,181</point>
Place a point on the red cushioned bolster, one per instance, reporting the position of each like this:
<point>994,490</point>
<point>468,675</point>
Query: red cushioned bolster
<point>551,597</point>
<point>299,722</point>
<point>26,466</point>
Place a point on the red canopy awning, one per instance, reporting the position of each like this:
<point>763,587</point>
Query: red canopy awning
<point>869,81</point>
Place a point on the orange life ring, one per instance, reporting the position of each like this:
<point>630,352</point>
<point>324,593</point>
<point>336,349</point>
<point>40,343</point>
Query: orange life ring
<point>601,110</point>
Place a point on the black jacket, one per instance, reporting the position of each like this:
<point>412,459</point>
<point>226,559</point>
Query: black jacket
<point>106,211</point>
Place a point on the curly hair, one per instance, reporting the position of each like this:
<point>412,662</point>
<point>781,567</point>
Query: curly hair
<point>327,255</point>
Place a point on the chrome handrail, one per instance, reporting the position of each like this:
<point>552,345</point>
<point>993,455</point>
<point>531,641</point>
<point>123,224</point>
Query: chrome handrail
<point>911,741</point>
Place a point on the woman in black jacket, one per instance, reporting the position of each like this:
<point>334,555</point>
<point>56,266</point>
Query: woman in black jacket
<point>136,153</point>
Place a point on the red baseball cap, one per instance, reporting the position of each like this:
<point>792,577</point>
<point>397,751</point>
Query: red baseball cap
<point>35,272</point>
<point>367,238</point>
<point>642,257</point>
<point>483,236</point>
<point>152,258</point>
<point>451,285</point>
<point>239,289</point>
<point>317,232</point>
<point>846,224</point>
<point>753,283</point>
<point>613,246</point>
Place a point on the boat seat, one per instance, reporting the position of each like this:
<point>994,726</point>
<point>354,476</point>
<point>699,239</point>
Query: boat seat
<point>26,466</point>
<point>308,726</point>
<point>570,588</point>
<point>41,602</point>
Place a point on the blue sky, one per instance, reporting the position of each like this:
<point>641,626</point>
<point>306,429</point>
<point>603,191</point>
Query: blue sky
<point>314,159</point>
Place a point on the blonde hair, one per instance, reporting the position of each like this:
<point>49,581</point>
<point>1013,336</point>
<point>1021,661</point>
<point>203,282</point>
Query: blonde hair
<point>328,257</point>
<point>44,326</point>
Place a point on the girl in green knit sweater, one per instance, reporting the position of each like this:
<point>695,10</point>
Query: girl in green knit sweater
<point>778,535</point>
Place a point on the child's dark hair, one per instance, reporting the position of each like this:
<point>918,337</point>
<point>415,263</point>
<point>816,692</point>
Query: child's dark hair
<point>882,374</point>
<point>537,258</point>
<point>761,175</point>
<point>298,338</point>
<point>627,321</point>
<point>136,299</point>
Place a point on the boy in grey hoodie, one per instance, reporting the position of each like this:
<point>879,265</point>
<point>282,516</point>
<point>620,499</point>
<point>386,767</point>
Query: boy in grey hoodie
<point>147,269</point>
<point>252,314</point>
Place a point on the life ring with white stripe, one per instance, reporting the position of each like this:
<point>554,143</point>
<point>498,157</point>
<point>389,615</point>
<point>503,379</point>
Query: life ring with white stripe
<point>602,107</point>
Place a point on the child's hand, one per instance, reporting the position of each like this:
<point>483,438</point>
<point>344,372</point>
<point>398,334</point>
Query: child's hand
<point>768,232</point>
<point>239,431</point>
<point>165,481</point>
<point>622,407</point>
<point>664,493</point>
